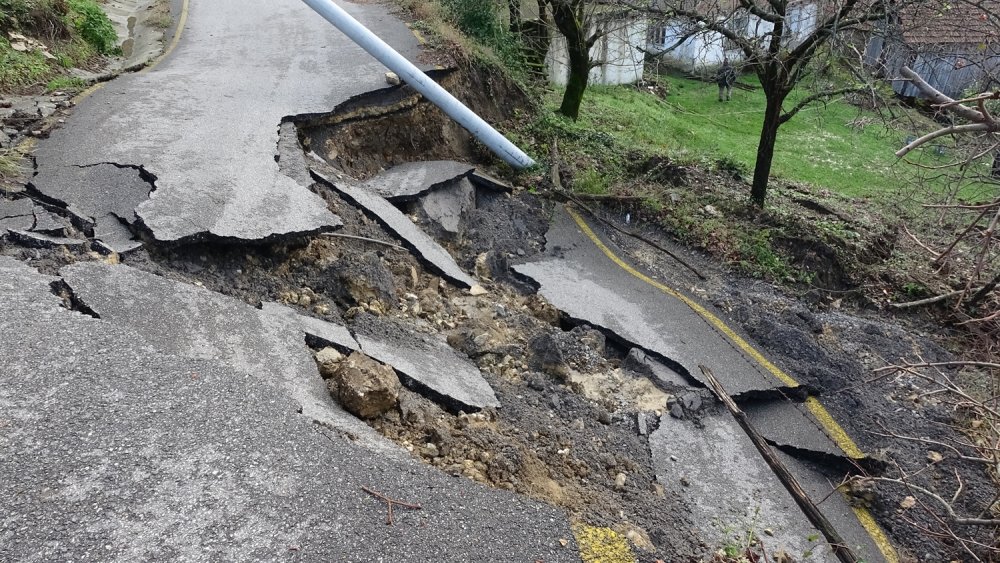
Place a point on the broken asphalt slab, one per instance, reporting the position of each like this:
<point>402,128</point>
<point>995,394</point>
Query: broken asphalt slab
<point>115,449</point>
<point>428,361</point>
<point>409,181</point>
<point>423,246</point>
<point>729,489</point>
<point>205,121</point>
<point>789,424</point>
<point>193,322</point>
<point>577,278</point>
<point>197,323</point>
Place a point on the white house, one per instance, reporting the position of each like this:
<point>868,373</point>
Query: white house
<point>690,48</point>
<point>619,50</point>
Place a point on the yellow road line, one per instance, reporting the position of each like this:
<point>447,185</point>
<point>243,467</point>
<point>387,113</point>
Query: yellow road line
<point>181,22</point>
<point>170,49</point>
<point>836,432</point>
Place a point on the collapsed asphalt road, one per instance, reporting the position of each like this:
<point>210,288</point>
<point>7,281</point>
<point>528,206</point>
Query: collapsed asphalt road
<point>147,417</point>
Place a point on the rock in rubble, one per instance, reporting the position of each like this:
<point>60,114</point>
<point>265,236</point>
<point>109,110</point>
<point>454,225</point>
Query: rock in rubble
<point>329,360</point>
<point>545,355</point>
<point>359,278</point>
<point>363,386</point>
<point>594,339</point>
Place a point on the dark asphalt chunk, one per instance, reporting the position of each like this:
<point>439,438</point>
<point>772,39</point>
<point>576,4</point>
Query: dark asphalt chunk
<point>409,181</point>
<point>787,423</point>
<point>291,158</point>
<point>110,230</point>
<point>727,485</point>
<point>578,279</point>
<point>396,221</point>
<point>429,361</point>
<point>39,240</point>
<point>47,223</point>
<point>94,191</point>
<point>115,448</point>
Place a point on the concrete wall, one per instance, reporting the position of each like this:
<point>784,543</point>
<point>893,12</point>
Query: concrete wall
<point>620,49</point>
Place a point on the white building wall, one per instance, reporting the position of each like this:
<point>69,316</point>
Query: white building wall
<point>620,49</point>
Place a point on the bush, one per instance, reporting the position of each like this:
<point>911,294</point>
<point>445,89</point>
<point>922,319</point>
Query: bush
<point>93,25</point>
<point>482,21</point>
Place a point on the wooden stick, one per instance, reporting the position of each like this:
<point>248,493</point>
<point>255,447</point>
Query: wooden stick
<point>390,502</point>
<point>365,239</point>
<point>816,517</point>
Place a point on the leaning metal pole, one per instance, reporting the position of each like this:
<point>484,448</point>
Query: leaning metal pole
<point>420,82</point>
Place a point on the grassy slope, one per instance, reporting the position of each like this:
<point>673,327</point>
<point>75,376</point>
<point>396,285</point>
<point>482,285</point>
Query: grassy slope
<point>821,146</point>
<point>75,32</point>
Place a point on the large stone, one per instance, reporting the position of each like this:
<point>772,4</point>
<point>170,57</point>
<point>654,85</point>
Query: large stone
<point>363,386</point>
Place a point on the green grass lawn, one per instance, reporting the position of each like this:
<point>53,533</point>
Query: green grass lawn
<point>835,146</point>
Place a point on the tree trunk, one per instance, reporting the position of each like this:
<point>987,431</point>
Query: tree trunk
<point>579,75</point>
<point>514,10</point>
<point>765,148</point>
<point>569,18</point>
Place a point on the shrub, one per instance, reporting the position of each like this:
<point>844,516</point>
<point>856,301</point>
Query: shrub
<point>93,25</point>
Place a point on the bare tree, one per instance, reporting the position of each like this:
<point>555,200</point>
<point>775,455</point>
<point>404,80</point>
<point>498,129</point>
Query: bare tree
<point>769,36</point>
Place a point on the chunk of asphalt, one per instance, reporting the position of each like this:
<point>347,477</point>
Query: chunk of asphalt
<point>638,361</point>
<point>579,279</point>
<point>425,248</point>
<point>449,207</point>
<point>428,365</point>
<point>110,230</point>
<point>11,208</point>
<point>789,424</point>
<point>726,485</point>
<point>39,240</point>
<point>146,452</point>
<point>484,180</point>
<point>291,157</point>
<point>331,333</point>
<point>94,191</point>
<point>408,181</point>
<point>196,323</point>
<point>47,223</point>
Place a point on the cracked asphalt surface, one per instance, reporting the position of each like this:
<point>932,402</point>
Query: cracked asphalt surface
<point>205,122</point>
<point>119,447</point>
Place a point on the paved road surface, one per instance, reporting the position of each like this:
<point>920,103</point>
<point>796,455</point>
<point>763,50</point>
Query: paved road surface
<point>205,122</point>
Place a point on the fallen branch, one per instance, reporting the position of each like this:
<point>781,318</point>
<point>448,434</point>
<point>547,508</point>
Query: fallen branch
<point>366,239</point>
<point>953,517</point>
<point>927,301</point>
<point>817,518</point>
<point>390,502</point>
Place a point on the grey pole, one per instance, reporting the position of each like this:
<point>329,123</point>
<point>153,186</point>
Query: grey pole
<point>420,82</point>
